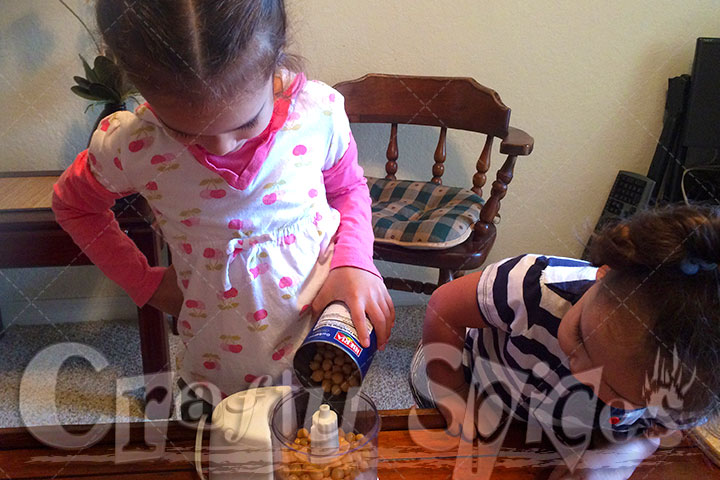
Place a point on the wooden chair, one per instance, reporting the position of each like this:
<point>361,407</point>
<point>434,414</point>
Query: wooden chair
<point>445,102</point>
<point>30,237</point>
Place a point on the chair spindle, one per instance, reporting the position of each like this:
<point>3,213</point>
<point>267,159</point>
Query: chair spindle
<point>391,166</point>
<point>483,165</point>
<point>498,192</point>
<point>440,156</point>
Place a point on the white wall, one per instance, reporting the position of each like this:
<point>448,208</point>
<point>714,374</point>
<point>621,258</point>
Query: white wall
<point>586,79</point>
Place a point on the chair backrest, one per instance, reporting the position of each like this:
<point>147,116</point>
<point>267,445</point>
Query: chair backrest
<point>445,102</point>
<point>451,102</point>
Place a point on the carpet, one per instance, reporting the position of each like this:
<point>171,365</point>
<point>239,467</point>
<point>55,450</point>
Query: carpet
<point>86,396</point>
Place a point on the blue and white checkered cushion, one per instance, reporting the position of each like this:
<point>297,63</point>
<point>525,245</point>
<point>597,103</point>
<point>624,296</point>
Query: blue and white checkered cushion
<point>422,214</point>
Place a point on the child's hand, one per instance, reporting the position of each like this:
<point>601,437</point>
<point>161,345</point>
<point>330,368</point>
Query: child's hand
<point>609,462</point>
<point>363,293</point>
<point>168,297</point>
<point>453,408</point>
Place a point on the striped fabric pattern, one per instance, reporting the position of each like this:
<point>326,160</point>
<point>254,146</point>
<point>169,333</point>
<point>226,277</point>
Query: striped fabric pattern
<point>523,300</point>
<point>422,214</point>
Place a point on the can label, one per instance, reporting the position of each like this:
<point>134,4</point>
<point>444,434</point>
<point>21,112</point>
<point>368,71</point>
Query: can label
<point>335,326</point>
<point>337,316</point>
<point>348,342</point>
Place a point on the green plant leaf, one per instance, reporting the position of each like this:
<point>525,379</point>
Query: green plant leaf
<point>108,73</point>
<point>81,81</point>
<point>104,93</point>
<point>84,93</point>
<point>89,73</point>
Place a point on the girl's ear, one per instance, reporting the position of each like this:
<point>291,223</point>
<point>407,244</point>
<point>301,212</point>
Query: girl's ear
<point>601,272</point>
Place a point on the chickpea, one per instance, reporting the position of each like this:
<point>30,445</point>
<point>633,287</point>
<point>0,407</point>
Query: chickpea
<point>336,390</point>
<point>327,364</point>
<point>327,385</point>
<point>303,433</point>
<point>317,376</point>
<point>339,360</point>
<point>337,378</point>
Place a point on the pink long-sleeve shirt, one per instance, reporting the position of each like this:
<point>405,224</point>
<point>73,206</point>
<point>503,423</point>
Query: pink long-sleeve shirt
<point>82,199</point>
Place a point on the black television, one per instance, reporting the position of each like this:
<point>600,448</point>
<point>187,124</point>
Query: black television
<point>702,121</point>
<point>686,164</point>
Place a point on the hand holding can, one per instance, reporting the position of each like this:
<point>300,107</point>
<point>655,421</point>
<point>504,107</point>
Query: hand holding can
<point>331,355</point>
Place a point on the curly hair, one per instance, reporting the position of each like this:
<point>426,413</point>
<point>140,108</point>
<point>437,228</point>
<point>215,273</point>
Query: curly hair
<point>648,255</point>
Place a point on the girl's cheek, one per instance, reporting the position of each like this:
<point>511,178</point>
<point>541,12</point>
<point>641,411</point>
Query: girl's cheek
<point>564,337</point>
<point>578,363</point>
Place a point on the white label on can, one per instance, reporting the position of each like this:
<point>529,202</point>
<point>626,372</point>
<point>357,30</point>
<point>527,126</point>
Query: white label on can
<point>337,315</point>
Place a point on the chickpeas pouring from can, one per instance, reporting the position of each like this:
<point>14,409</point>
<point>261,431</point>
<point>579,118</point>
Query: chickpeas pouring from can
<point>333,370</point>
<point>331,355</point>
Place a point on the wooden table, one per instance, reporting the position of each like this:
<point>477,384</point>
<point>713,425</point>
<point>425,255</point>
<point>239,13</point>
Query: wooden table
<point>30,237</point>
<point>427,453</point>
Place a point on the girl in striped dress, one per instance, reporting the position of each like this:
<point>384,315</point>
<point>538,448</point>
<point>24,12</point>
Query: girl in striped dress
<point>638,328</point>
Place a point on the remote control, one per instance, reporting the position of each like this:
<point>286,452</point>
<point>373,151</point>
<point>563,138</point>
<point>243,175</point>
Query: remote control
<point>630,192</point>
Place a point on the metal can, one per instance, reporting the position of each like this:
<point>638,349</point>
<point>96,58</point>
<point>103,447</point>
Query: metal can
<point>335,330</point>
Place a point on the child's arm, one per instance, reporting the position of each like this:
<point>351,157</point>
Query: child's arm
<point>347,192</point>
<point>610,461</point>
<point>452,308</point>
<point>353,277</point>
<point>82,208</point>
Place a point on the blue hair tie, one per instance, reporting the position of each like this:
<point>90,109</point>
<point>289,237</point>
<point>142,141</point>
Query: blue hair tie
<point>691,266</point>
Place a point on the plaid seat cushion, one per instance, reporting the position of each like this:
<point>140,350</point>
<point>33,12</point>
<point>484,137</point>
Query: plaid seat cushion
<point>422,214</point>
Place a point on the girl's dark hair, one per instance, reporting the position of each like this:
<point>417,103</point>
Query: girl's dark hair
<point>210,47</point>
<point>648,256</point>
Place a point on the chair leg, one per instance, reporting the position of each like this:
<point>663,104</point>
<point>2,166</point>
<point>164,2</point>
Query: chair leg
<point>173,320</point>
<point>156,359</point>
<point>154,345</point>
<point>446,275</point>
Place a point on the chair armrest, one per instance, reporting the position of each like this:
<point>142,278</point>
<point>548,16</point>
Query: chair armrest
<point>517,142</point>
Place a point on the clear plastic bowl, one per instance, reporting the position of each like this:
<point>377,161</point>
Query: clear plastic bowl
<point>356,459</point>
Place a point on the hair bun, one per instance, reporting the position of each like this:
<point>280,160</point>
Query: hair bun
<point>703,242</point>
<point>657,238</point>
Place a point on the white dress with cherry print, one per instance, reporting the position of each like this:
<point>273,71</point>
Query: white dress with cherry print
<point>251,257</point>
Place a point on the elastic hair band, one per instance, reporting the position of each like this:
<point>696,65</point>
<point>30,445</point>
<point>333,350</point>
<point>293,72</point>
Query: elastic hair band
<point>691,266</point>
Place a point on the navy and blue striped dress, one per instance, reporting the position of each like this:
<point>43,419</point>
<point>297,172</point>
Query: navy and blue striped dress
<point>522,300</point>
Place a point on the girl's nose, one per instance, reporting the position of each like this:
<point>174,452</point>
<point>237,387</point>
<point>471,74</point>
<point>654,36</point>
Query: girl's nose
<point>219,144</point>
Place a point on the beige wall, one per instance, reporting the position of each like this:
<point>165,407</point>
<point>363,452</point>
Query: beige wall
<point>586,79</point>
